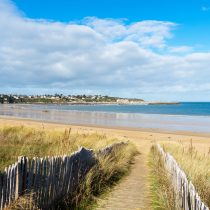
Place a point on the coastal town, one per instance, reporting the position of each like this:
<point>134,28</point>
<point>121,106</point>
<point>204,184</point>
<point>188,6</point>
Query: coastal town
<point>65,99</point>
<point>74,100</point>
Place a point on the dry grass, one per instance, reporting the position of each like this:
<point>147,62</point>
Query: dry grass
<point>25,202</point>
<point>18,141</point>
<point>163,197</point>
<point>106,173</point>
<point>195,164</point>
<point>31,142</point>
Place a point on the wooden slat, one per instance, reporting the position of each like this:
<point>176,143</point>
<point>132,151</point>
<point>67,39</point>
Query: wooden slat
<point>4,189</point>
<point>36,180</point>
<point>1,186</point>
<point>30,174</point>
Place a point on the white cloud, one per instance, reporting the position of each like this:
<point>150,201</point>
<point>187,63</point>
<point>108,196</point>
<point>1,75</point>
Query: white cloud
<point>96,55</point>
<point>148,33</point>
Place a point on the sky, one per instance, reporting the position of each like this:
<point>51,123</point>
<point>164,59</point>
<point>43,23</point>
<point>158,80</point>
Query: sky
<point>155,50</point>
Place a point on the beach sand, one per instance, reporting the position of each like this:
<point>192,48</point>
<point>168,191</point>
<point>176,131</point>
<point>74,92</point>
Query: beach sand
<point>138,135</point>
<point>137,181</point>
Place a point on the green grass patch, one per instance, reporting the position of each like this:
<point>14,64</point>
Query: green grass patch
<point>162,194</point>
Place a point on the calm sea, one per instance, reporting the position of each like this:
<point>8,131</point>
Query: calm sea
<point>185,108</point>
<point>194,117</point>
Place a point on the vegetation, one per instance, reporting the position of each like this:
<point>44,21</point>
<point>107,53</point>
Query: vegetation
<point>109,170</point>
<point>56,98</point>
<point>162,194</point>
<point>17,141</point>
<point>196,165</point>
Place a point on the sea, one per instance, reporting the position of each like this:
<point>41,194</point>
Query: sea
<point>185,116</point>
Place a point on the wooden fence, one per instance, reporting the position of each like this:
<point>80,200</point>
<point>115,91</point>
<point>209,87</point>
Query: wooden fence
<point>47,179</point>
<point>186,196</point>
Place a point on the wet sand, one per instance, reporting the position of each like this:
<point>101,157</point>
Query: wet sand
<point>154,122</point>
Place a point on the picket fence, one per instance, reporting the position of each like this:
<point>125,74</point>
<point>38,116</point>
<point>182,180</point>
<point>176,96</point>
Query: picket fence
<point>186,196</point>
<point>47,179</point>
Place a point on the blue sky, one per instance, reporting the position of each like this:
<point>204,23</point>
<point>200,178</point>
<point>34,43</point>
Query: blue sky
<point>156,50</point>
<point>192,16</point>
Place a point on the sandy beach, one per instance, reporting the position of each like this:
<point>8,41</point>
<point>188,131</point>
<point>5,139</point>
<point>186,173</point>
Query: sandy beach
<point>138,135</point>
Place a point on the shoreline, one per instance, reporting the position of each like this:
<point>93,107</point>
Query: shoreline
<point>99,103</point>
<point>121,128</point>
<point>103,118</point>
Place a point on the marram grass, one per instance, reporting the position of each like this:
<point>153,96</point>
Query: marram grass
<point>17,141</point>
<point>31,142</point>
<point>162,195</point>
<point>196,165</point>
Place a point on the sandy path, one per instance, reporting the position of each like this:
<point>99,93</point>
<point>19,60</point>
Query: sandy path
<point>132,192</point>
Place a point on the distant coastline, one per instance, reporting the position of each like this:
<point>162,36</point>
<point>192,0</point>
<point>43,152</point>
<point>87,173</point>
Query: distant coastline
<point>100,103</point>
<point>76,100</point>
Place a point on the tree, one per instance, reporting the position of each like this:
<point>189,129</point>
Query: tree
<point>1,100</point>
<point>11,99</point>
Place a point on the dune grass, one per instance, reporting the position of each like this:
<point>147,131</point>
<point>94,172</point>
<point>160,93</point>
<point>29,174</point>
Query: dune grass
<point>31,142</point>
<point>195,164</point>
<point>162,196</point>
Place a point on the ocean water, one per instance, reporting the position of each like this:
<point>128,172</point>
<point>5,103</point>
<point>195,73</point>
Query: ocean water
<point>194,117</point>
<point>185,108</point>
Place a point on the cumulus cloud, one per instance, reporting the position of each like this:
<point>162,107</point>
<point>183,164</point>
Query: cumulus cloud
<point>148,33</point>
<point>95,55</point>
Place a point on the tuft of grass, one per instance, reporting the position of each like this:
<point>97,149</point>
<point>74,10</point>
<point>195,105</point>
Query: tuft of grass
<point>162,193</point>
<point>196,165</point>
<point>31,142</point>
<point>25,202</point>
